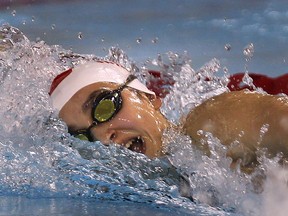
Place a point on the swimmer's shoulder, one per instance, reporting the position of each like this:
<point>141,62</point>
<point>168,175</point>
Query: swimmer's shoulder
<point>234,107</point>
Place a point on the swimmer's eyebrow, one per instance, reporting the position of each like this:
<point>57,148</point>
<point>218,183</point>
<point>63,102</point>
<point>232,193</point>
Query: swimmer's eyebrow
<point>90,100</point>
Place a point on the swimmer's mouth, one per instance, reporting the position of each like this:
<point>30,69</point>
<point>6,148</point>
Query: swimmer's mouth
<point>137,145</point>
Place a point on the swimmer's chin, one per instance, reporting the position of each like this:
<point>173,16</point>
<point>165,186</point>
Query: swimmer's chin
<point>154,148</point>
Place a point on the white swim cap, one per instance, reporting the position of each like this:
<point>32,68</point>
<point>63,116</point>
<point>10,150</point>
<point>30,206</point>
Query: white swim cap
<point>66,84</point>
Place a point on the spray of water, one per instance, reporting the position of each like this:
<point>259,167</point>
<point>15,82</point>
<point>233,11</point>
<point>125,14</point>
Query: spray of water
<point>40,159</point>
<point>210,178</point>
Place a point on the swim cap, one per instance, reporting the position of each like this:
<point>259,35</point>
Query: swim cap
<point>66,84</point>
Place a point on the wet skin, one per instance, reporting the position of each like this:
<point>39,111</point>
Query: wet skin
<point>230,117</point>
<point>137,126</point>
<point>245,122</point>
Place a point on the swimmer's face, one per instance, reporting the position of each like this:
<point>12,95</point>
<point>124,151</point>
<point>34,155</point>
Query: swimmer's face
<point>138,125</point>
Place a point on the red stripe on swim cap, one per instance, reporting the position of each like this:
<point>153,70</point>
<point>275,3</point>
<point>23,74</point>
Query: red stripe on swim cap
<point>58,79</point>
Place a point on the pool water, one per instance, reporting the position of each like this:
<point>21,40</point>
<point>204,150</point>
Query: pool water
<point>46,171</point>
<point>205,29</point>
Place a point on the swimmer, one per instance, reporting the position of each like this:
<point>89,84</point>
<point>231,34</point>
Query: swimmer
<point>103,101</point>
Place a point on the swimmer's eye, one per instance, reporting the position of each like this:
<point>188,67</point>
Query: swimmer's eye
<point>105,106</point>
<point>82,135</point>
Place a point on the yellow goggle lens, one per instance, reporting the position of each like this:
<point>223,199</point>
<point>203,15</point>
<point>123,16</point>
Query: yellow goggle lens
<point>104,110</point>
<point>82,137</point>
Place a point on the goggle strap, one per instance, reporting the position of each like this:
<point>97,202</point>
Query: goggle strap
<point>129,79</point>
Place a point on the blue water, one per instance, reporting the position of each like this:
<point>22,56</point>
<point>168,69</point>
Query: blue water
<point>16,205</point>
<point>43,170</point>
<point>202,28</point>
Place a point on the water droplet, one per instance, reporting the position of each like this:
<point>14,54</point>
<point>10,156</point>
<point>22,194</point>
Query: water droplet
<point>200,132</point>
<point>24,22</point>
<point>225,70</point>
<point>102,40</point>
<point>227,47</point>
<point>155,40</point>
<point>80,35</point>
<point>248,80</point>
<point>53,26</point>
<point>139,40</point>
<point>13,13</point>
<point>248,51</point>
<point>33,18</point>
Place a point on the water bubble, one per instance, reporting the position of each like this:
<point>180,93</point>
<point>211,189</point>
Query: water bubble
<point>248,51</point>
<point>155,40</point>
<point>33,18</point>
<point>80,35</point>
<point>24,22</point>
<point>139,40</point>
<point>264,129</point>
<point>102,39</point>
<point>227,47</point>
<point>96,154</point>
<point>53,26</point>
<point>13,13</point>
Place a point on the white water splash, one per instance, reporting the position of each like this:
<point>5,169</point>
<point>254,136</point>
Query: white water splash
<point>40,159</point>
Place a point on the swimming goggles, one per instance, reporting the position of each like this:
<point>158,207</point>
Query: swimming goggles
<point>106,105</point>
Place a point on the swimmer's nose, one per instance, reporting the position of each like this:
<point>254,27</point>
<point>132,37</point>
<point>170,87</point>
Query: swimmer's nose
<point>106,137</point>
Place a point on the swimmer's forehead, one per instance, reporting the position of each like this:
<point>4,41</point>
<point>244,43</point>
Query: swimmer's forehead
<point>90,73</point>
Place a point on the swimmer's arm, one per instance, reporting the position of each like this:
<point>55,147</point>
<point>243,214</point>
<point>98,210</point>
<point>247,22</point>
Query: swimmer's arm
<point>242,117</point>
